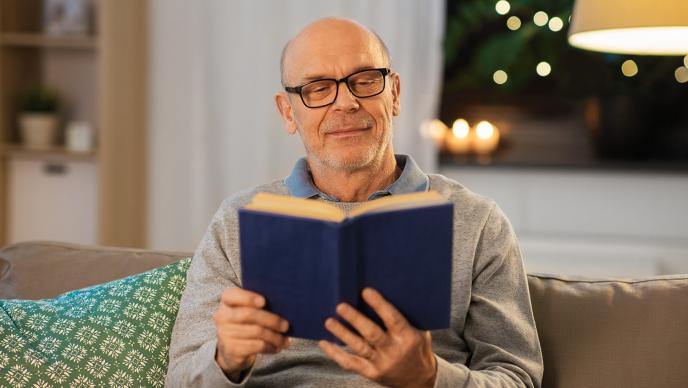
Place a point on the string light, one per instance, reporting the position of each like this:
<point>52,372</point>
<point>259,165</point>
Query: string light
<point>502,7</point>
<point>556,24</point>
<point>629,68</point>
<point>513,23</point>
<point>543,69</point>
<point>681,75</point>
<point>500,77</point>
<point>685,61</point>
<point>540,18</point>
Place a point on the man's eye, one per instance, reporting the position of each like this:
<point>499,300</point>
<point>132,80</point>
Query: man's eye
<point>365,82</point>
<point>318,89</point>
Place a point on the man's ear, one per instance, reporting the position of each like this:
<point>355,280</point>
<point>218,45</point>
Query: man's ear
<point>396,94</point>
<point>285,110</point>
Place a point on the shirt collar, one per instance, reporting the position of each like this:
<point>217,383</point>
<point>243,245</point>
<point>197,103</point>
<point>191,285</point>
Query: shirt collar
<point>412,179</point>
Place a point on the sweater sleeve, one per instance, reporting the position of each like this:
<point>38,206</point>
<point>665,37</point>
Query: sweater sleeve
<point>500,329</point>
<point>193,344</point>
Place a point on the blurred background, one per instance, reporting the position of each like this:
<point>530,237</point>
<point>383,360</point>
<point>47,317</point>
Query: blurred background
<point>127,122</point>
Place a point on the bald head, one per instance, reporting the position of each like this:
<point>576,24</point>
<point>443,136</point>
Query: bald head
<point>332,32</point>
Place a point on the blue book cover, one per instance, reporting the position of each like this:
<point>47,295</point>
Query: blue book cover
<point>304,267</point>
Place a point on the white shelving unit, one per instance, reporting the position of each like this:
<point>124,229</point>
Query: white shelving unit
<point>93,197</point>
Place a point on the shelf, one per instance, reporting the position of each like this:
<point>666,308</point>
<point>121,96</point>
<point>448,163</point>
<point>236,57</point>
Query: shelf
<point>56,153</point>
<point>102,78</point>
<point>655,166</point>
<point>16,39</point>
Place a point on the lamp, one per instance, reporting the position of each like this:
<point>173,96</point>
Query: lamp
<point>645,27</point>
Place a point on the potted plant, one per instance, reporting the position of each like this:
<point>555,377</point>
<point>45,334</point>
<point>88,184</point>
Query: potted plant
<point>38,119</point>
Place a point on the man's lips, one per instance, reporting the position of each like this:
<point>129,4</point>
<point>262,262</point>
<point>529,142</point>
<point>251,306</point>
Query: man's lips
<point>347,131</point>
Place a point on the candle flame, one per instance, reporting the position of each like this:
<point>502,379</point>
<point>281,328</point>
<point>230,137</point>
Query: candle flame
<point>484,130</point>
<point>460,128</point>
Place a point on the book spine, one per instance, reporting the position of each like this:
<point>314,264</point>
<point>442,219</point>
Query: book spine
<point>349,277</point>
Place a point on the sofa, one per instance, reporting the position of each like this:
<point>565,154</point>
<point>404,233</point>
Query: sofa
<point>594,332</point>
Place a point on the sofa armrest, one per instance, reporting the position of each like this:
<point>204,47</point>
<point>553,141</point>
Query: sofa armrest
<point>612,332</point>
<point>4,274</point>
<point>45,269</point>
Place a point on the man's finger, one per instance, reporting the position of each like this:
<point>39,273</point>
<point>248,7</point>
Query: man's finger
<point>236,296</point>
<point>357,344</point>
<point>345,360</point>
<point>393,319</point>
<point>250,315</point>
<point>368,329</point>
<point>274,338</point>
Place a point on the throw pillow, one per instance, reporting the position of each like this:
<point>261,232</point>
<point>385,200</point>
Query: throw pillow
<point>115,334</point>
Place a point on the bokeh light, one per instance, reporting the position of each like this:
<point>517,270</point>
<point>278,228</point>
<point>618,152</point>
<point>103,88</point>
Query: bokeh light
<point>513,23</point>
<point>681,74</point>
<point>629,68</point>
<point>556,24</point>
<point>540,18</point>
<point>484,130</point>
<point>433,129</point>
<point>502,7</point>
<point>543,69</point>
<point>500,77</point>
<point>460,128</point>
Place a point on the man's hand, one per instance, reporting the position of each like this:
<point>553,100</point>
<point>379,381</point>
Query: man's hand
<point>400,357</point>
<point>244,330</point>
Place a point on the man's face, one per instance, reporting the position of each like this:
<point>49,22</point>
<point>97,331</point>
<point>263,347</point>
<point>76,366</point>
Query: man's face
<point>353,132</point>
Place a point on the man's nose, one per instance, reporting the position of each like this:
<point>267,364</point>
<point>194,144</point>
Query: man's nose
<point>345,101</point>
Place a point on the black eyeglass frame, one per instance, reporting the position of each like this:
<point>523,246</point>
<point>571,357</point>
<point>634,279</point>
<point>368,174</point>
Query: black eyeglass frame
<point>385,71</point>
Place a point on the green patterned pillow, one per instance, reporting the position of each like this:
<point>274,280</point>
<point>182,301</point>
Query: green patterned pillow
<point>116,334</point>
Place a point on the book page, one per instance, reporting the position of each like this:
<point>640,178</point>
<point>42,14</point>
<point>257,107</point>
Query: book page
<point>297,207</point>
<point>398,202</point>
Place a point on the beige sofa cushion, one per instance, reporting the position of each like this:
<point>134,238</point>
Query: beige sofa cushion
<point>44,269</point>
<point>4,268</point>
<point>4,272</point>
<point>612,333</point>
<point>600,333</point>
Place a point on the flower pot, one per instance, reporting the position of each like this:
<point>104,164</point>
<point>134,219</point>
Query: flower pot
<point>38,130</point>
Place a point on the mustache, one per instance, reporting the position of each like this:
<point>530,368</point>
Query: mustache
<point>357,120</point>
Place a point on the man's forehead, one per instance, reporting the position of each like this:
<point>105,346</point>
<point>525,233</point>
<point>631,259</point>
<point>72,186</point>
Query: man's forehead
<point>332,66</point>
<point>332,45</point>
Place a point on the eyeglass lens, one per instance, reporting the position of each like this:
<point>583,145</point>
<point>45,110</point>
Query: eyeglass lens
<point>364,84</point>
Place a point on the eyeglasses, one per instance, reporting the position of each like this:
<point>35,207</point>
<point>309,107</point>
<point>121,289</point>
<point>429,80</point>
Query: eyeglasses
<point>323,92</point>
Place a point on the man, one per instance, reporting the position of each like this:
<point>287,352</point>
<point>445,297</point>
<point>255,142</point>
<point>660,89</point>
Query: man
<point>340,96</point>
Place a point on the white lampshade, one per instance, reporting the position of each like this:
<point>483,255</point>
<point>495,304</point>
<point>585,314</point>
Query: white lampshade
<point>645,27</point>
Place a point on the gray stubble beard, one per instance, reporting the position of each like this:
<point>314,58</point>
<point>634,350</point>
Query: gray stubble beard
<point>375,153</point>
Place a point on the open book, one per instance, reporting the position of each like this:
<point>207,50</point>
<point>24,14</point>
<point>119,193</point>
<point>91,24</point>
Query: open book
<point>306,256</point>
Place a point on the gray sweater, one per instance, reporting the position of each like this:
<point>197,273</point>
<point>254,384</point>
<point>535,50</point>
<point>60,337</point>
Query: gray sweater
<point>492,341</point>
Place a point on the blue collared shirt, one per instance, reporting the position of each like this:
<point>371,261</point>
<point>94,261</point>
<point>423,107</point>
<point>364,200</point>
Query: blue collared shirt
<point>412,179</point>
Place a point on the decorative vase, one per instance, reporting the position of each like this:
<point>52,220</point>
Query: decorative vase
<point>38,130</point>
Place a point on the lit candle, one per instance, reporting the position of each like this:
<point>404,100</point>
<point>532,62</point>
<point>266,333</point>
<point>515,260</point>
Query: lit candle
<point>435,130</point>
<point>486,138</point>
<point>459,140</point>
